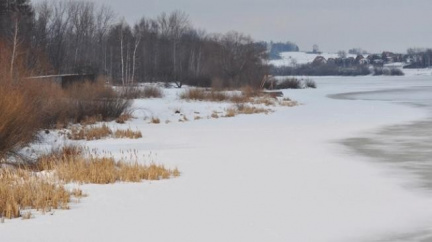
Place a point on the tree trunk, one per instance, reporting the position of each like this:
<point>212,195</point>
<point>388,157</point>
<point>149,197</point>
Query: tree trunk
<point>121,56</point>
<point>134,58</point>
<point>14,49</point>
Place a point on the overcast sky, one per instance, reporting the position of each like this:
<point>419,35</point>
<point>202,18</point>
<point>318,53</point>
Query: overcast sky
<point>374,25</point>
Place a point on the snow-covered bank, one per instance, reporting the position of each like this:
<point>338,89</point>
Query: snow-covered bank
<point>278,177</point>
<point>299,58</point>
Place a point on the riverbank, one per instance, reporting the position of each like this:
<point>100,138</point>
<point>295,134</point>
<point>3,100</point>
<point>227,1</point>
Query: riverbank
<point>277,177</point>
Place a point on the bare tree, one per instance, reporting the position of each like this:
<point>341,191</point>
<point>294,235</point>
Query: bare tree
<point>174,26</point>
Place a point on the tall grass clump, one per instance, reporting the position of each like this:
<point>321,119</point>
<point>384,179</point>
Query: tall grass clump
<point>201,94</point>
<point>90,132</point>
<point>127,133</point>
<point>96,132</point>
<point>194,94</point>
<point>21,189</point>
<point>74,165</point>
<point>137,92</point>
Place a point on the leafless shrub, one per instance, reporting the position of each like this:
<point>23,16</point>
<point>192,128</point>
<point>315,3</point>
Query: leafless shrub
<point>137,92</point>
<point>310,83</point>
<point>289,83</point>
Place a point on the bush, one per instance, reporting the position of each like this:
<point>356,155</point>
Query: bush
<point>134,92</point>
<point>28,106</point>
<point>199,81</point>
<point>19,118</point>
<point>89,99</point>
<point>310,84</point>
<point>289,83</point>
<point>396,72</point>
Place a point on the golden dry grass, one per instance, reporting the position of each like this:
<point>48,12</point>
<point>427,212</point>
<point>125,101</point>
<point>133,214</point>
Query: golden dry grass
<point>288,103</point>
<point>231,112</point>
<point>155,120</point>
<point>247,95</point>
<point>90,132</point>
<point>91,120</point>
<point>201,94</point>
<point>127,133</point>
<point>25,187</point>
<point>248,109</point>
<point>265,100</point>
<point>153,92</point>
<point>136,92</point>
<point>100,132</point>
<point>124,118</point>
<point>21,189</point>
<point>194,94</point>
<point>100,170</point>
<point>239,98</point>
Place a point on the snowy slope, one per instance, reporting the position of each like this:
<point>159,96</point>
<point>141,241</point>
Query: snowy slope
<point>291,58</point>
<point>278,177</point>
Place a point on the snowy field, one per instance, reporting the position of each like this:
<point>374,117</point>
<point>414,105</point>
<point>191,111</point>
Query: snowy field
<point>298,58</point>
<point>277,177</point>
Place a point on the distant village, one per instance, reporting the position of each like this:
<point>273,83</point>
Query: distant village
<point>355,62</point>
<point>412,60</point>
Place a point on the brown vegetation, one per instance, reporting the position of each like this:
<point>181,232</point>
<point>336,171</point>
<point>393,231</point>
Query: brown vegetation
<point>76,166</point>
<point>100,132</point>
<point>201,94</point>
<point>127,133</point>
<point>249,109</point>
<point>155,120</point>
<point>136,92</point>
<point>89,133</point>
<point>20,189</point>
<point>124,118</point>
<point>18,119</point>
<point>24,187</point>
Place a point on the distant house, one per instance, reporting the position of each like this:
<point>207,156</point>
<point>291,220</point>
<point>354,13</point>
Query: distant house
<point>66,80</point>
<point>360,60</point>
<point>349,61</point>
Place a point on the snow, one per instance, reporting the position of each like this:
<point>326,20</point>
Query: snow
<point>298,58</point>
<point>277,177</point>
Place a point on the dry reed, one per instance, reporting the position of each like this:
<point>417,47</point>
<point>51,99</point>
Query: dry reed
<point>21,189</point>
<point>127,133</point>
<point>100,132</point>
<point>100,170</point>
<point>155,120</point>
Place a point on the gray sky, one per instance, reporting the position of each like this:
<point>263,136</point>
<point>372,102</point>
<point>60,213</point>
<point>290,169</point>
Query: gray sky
<point>374,25</point>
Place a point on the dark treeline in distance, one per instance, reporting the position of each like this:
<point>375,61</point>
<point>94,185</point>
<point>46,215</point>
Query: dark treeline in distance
<point>65,37</point>
<point>275,48</point>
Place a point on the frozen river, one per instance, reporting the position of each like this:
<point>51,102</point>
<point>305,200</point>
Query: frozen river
<point>406,146</point>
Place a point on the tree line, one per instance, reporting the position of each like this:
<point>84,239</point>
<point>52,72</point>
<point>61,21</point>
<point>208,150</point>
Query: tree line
<point>70,37</point>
